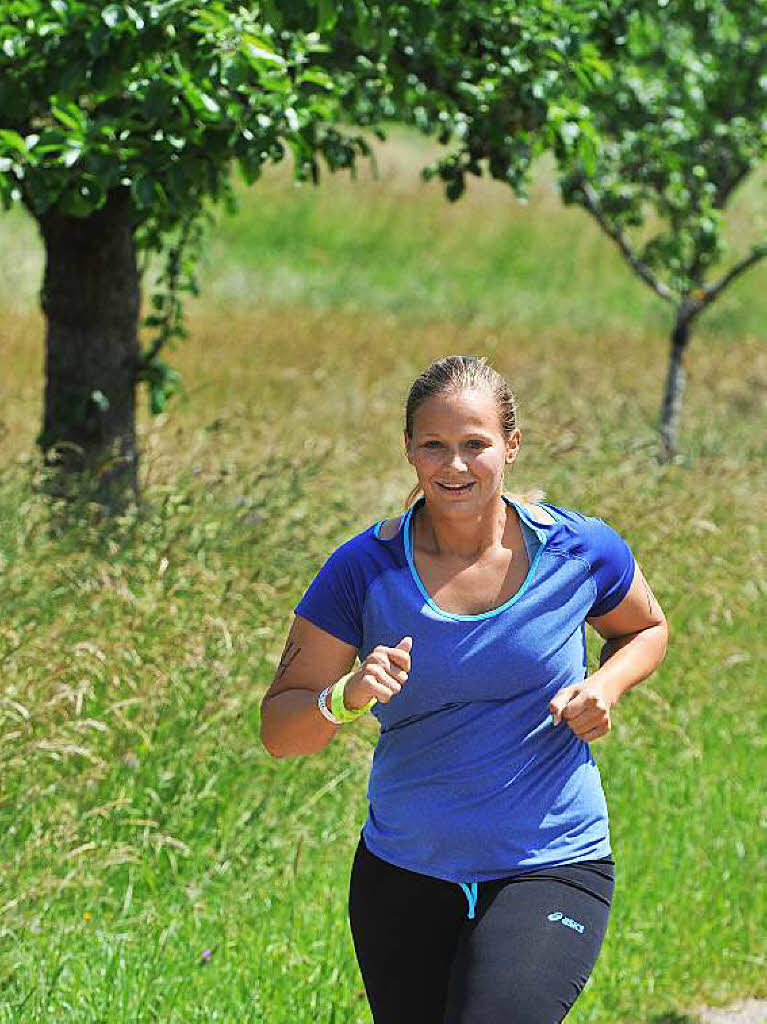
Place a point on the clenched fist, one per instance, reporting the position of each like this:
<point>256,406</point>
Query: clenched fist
<point>584,708</point>
<point>381,675</point>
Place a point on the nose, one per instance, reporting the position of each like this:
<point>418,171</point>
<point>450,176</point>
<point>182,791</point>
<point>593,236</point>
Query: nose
<point>456,461</point>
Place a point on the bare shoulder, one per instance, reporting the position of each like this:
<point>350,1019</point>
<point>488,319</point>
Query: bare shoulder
<point>390,527</point>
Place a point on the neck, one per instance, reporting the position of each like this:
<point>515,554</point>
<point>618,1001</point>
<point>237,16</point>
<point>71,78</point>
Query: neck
<point>466,537</point>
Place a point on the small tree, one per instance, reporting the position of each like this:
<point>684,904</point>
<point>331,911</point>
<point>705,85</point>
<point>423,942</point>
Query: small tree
<point>677,127</point>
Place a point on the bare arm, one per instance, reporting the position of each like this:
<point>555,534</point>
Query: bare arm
<point>636,635</point>
<point>291,722</point>
<point>636,638</point>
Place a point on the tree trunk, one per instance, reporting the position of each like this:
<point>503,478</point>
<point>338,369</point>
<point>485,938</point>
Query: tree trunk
<point>90,297</point>
<point>672,398</point>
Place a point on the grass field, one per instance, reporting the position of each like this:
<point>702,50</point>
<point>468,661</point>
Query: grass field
<point>141,821</point>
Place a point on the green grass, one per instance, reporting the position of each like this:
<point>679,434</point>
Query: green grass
<point>141,821</point>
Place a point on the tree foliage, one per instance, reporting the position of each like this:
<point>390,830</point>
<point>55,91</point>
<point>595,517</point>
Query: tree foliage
<point>158,98</point>
<point>493,82</point>
<point>161,97</point>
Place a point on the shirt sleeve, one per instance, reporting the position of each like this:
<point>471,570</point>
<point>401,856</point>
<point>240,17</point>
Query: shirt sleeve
<point>335,597</point>
<point>612,566</point>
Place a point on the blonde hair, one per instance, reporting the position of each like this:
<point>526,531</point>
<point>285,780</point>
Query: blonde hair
<point>461,373</point>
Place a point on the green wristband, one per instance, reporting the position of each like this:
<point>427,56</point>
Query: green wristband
<point>337,706</point>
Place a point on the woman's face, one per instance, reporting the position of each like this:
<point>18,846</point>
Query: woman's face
<point>459,450</point>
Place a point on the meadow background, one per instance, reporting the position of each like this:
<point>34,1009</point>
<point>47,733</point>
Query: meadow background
<point>158,865</point>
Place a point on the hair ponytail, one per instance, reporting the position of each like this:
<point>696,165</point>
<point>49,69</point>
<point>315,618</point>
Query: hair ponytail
<point>412,496</point>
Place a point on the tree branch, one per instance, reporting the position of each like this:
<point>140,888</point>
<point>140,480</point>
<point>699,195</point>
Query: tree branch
<point>591,203</point>
<point>725,189</point>
<point>714,290</point>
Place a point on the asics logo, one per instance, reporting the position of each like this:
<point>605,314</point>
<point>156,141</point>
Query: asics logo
<point>557,915</point>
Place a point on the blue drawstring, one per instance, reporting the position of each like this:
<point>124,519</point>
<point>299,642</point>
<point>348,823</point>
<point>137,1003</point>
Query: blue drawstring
<point>470,891</point>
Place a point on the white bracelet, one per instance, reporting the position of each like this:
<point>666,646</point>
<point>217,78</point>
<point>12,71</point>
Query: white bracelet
<point>322,704</point>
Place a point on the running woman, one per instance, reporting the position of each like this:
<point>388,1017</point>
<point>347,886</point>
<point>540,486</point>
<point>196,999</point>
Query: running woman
<point>483,877</point>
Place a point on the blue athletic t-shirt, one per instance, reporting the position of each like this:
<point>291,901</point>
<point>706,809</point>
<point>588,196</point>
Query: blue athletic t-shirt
<point>469,780</point>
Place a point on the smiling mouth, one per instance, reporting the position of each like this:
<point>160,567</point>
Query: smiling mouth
<point>460,489</point>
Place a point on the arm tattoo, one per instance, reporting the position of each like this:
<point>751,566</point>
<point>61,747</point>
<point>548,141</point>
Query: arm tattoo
<point>289,655</point>
<point>649,596</point>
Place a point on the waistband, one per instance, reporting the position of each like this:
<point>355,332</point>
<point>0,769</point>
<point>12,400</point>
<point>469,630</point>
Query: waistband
<point>594,877</point>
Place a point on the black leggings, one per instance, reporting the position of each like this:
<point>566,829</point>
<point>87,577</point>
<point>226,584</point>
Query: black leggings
<point>523,958</point>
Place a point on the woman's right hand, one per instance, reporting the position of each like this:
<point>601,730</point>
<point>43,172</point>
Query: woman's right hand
<point>381,675</point>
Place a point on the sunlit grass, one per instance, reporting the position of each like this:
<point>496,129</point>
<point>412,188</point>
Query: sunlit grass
<point>392,243</point>
<point>141,821</point>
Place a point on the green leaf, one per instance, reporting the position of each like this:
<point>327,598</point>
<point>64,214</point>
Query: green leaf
<point>250,166</point>
<point>318,77</point>
<point>327,15</point>
<point>213,19</point>
<point>142,189</point>
<point>256,50</point>
<point>13,140</point>
<point>69,115</point>
<point>52,142</point>
<point>112,15</point>
<point>587,151</point>
<point>455,188</point>
<point>70,156</point>
<point>6,190</point>
<point>158,398</point>
<point>158,100</point>
<point>135,17</point>
<point>199,100</point>
<point>163,382</point>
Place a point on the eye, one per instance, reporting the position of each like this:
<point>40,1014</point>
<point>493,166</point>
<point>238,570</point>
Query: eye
<point>431,444</point>
<point>476,443</point>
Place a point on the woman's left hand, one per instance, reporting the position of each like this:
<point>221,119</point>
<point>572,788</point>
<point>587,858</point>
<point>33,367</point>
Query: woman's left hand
<point>584,708</point>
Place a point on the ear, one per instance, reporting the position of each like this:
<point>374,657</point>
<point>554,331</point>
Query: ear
<point>408,447</point>
<point>513,443</point>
